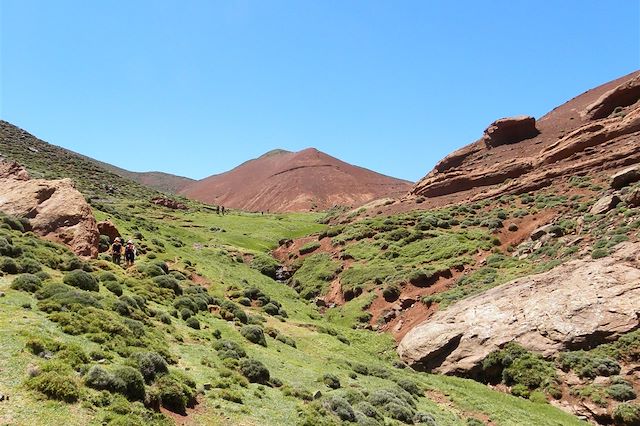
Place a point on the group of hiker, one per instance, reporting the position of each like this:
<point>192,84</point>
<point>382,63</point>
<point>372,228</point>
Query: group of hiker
<point>117,249</point>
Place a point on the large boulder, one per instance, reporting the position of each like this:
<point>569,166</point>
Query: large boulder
<point>510,130</point>
<point>626,177</point>
<point>56,210</point>
<point>576,305</point>
<point>605,204</point>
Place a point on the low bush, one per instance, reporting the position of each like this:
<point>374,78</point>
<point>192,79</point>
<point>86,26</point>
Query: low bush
<point>26,282</point>
<point>340,407</point>
<point>265,264</point>
<point>228,349</point>
<point>129,382</point>
<point>254,370</point>
<point>29,266</point>
<point>151,364</point>
<point>254,334</point>
<point>331,381</point>
<point>82,280</point>
<point>167,281</point>
<point>177,391</point>
<point>627,414</point>
<point>391,293</point>
<point>621,392</point>
<point>8,265</point>
<point>114,287</point>
<point>55,385</point>
<point>193,322</point>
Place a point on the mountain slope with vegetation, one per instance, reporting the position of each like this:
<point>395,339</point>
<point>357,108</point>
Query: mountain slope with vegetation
<point>198,331</point>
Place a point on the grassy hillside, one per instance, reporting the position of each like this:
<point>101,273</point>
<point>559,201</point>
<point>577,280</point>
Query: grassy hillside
<point>75,352</point>
<point>198,333</point>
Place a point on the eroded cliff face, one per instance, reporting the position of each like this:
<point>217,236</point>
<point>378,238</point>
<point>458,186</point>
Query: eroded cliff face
<point>598,130</point>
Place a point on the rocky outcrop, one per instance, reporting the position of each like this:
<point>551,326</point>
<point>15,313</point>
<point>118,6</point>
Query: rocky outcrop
<point>576,305</point>
<point>55,208</point>
<point>106,227</point>
<point>169,203</point>
<point>622,96</point>
<point>605,204</point>
<point>633,198</point>
<point>13,170</point>
<point>510,130</point>
<point>568,144</point>
<point>626,177</point>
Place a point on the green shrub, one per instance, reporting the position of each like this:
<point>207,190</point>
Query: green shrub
<point>107,276</point>
<point>599,253</point>
<point>265,264</point>
<point>186,314</point>
<point>621,392</point>
<point>82,280</point>
<point>55,385</point>
<point>151,364</point>
<point>100,379</point>
<point>26,282</point>
<point>228,349</point>
<point>167,281</point>
<point>391,293</point>
<point>399,412</point>
<point>177,391</point>
<point>271,309</point>
<point>193,322</point>
<point>425,419</point>
<point>8,265</point>
<point>340,407</point>
<point>627,414</point>
<point>410,386</point>
<point>114,287</point>
<point>331,381</point>
<point>29,266</point>
<point>129,382</point>
<point>254,370</point>
<point>254,334</point>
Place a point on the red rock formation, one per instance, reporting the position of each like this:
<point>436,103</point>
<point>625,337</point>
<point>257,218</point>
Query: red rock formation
<point>107,228</point>
<point>56,210</point>
<point>510,130</point>
<point>577,137</point>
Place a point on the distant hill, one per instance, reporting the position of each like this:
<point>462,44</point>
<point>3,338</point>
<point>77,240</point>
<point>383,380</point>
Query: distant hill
<point>50,161</point>
<point>307,180</point>
<point>161,181</point>
<point>44,160</point>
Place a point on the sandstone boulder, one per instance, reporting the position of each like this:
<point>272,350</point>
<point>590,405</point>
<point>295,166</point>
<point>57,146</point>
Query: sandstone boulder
<point>576,305</point>
<point>13,170</point>
<point>106,227</point>
<point>626,177</point>
<point>55,208</point>
<point>605,204</point>
<point>633,198</point>
<point>510,130</point>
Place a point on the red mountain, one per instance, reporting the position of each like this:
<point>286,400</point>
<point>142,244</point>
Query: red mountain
<point>306,180</point>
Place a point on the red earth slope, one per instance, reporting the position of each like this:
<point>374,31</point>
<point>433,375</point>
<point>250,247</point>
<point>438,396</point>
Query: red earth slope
<point>294,181</point>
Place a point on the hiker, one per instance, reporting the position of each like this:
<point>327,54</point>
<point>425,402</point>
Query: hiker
<point>116,250</point>
<point>222,210</point>
<point>217,209</point>
<point>129,253</point>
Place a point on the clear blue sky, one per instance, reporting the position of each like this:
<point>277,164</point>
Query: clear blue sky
<point>197,87</point>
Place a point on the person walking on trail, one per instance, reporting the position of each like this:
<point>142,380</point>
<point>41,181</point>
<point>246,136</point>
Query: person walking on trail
<point>116,251</point>
<point>129,253</point>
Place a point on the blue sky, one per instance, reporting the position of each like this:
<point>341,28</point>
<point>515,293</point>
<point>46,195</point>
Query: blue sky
<point>197,87</point>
